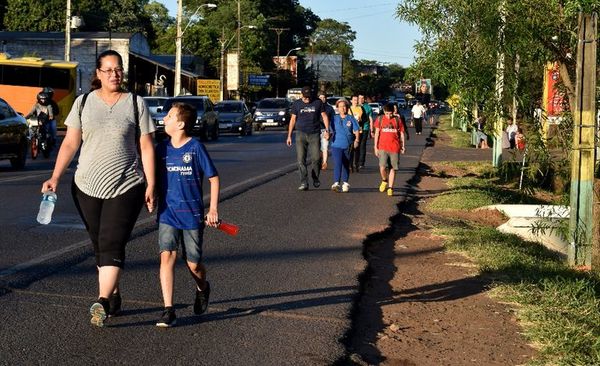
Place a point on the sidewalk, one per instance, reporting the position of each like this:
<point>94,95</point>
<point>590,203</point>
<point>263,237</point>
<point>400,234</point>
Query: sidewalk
<point>422,305</point>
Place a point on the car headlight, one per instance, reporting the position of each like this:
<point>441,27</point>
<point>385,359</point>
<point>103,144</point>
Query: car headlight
<point>257,113</point>
<point>281,113</point>
<point>160,122</point>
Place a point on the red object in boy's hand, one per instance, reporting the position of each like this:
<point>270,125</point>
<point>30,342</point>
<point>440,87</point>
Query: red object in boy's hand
<point>228,228</point>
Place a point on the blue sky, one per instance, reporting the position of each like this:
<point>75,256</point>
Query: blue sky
<point>379,35</point>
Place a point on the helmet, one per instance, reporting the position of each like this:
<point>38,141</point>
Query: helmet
<point>49,91</point>
<point>43,98</point>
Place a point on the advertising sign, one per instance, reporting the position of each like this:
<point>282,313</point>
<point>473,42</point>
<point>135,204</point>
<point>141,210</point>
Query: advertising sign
<point>209,87</point>
<point>287,63</point>
<point>258,80</point>
<point>325,67</point>
<point>233,72</point>
<point>423,86</point>
<point>553,97</point>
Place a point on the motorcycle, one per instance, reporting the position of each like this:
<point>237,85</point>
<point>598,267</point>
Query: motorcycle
<point>40,140</point>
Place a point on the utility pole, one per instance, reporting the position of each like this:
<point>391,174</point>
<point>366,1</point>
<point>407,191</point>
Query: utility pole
<point>584,249</point>
<point>68,33</point>
<point>278,31</point>
<point>239,30</point>
<point>177,81</point>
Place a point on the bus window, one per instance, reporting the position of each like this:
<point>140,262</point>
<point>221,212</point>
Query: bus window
<point>20,75</point>
<point>55,78</point>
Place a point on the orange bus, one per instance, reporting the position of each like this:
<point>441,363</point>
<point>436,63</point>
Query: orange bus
<point>21,79</point>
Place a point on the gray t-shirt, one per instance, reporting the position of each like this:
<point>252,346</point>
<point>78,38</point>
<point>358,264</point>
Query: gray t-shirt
<point>109,163</point>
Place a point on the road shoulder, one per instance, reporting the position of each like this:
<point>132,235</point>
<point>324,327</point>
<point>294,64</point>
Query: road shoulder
<point>422,305</point>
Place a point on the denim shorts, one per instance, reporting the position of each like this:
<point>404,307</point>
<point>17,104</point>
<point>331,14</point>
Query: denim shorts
<point>387,159</point>
<point>169,239</point>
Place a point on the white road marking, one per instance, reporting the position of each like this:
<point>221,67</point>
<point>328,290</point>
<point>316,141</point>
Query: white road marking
<point>61,252</point>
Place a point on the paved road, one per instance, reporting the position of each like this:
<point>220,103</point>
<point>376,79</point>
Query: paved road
<point>282,289</point>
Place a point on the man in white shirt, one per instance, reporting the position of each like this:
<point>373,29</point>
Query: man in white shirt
<point>418,113</point>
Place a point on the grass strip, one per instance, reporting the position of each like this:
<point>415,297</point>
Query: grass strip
<point>558,307</point>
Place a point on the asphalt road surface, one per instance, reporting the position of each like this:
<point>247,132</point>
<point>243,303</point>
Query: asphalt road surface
<point>282,290</point>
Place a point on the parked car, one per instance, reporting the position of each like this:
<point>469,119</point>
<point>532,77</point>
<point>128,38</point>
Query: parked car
<point>433,104</point>
<point>155,104</point>
<point>14,133</point>
<point>234,116</point>
<point>401,103</point>
<point>331,101</point>
<point>272,112</point>
<point>207,124</point>
<point>376,108</point>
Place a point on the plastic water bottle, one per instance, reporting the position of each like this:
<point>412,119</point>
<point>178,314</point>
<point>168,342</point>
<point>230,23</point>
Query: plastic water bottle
<point>46,207</point>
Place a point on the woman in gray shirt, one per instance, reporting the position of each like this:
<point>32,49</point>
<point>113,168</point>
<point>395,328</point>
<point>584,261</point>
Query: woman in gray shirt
<point>115,172</point>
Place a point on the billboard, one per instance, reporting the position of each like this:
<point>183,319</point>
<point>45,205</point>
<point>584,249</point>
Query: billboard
<point>258,80</point>
<point>287,63</point>
<point>209,87</point>
<point>553,97</point>
<point>326,67</point>
<point>423,86</point>
<point>233,72</point>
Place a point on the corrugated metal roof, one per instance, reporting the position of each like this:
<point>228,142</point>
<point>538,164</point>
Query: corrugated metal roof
<point>10,36</point>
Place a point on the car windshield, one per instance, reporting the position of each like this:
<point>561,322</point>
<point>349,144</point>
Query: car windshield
<point>332,100</point>
<point>272,104</point>
<point>229,107</point>
<point>196,102</point>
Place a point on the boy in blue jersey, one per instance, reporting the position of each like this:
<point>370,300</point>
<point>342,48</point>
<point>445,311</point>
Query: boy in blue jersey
<point>183,162</point>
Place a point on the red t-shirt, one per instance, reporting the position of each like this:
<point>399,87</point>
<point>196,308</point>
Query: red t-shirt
<point>389,133</point>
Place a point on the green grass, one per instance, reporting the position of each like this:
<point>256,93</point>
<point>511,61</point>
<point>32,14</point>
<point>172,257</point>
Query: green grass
<point>559,308</point>
<point>459,138</point>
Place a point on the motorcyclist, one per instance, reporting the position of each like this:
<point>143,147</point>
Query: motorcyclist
<point>55,111</point>
<point>45,115</point>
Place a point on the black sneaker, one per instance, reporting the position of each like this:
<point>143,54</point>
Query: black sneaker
<point>168,318</point>
<point>316,183</point>
<point>114,302</point>
<point>201,303</point>
<point>98,311</point>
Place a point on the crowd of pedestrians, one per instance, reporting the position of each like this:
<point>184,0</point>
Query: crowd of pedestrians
<point>120,170</point>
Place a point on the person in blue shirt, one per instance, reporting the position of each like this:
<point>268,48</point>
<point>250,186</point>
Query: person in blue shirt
<point>306,114</point>
<point>183,162</point>
<point>346,135</point>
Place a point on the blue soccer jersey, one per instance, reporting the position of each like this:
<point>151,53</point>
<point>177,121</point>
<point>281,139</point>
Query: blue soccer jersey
<point>181,171</point>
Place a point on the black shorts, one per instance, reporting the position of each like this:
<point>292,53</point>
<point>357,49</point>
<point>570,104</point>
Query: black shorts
<point>109,222</point>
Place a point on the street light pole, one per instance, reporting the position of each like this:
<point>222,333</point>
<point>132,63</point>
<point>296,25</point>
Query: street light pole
<point>68,33</point>
<point>224,45</point>
<point>178,39</point>
<point>286,63</point>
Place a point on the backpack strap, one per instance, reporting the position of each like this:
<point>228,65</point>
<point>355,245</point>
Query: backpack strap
<point>136,114</point>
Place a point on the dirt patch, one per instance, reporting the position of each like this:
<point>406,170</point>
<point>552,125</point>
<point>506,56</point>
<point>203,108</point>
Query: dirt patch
<point>421,305</point>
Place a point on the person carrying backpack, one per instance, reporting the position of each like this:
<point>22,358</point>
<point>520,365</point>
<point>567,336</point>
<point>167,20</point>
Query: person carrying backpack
<point>389,144</point>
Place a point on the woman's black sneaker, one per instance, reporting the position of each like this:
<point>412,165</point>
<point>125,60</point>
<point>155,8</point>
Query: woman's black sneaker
<point>201,303</point>
<point>98,311</point>
<point>114,302</point>
<point>168,318</point>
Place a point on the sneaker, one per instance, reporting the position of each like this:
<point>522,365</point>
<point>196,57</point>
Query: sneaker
<point>303,187</point>
<point>390,192</point>
<point>201,303</point>
<point>345,187</point>
<point>98,311</point>
<point>168,318</point>
<point>336,187</point>
<point>114,302</point>
<point>316,183</point>
<point>382,186</point>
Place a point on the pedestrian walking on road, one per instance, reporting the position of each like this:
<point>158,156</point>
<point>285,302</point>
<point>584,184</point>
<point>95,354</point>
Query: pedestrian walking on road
<point>110,187</point>
<point>362,117</point>
<point>418,113</point>
<point>345,136</point>
<point>183,162</point>
<point>402,119</point>
<point>389,144</point>
<point>366,131</point>
<point>325,142</point>
<point>306,114</point>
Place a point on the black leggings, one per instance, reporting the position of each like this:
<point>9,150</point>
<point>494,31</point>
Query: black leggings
<point>109,222</point>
